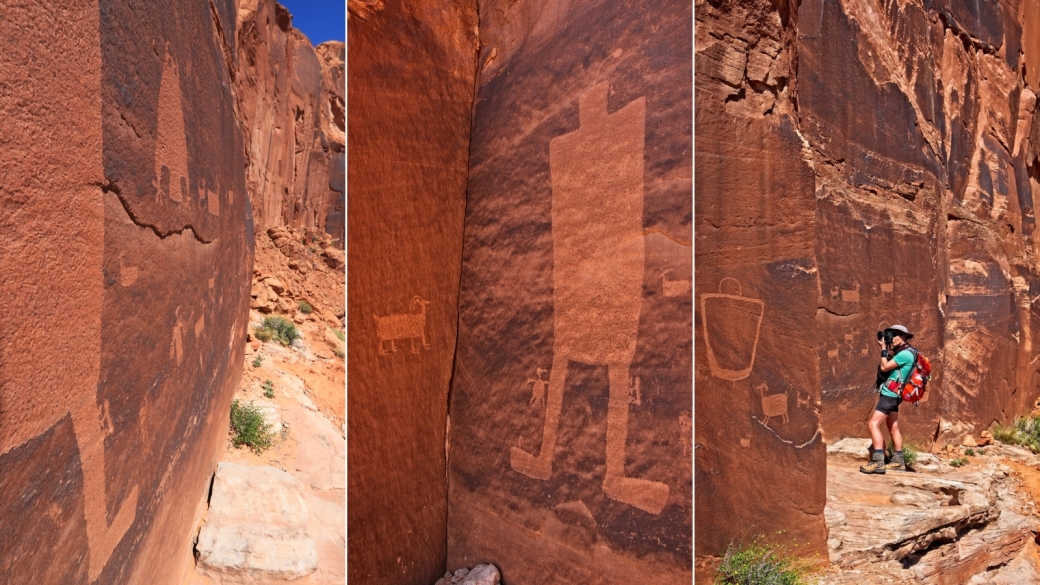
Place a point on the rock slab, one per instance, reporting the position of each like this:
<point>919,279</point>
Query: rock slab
<point>256,527</point>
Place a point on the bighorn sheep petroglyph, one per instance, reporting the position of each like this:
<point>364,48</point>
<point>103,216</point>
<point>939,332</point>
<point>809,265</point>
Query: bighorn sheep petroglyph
<point>410,326</point>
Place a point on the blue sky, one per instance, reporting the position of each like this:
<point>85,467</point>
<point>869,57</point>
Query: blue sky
<point>320,20</point>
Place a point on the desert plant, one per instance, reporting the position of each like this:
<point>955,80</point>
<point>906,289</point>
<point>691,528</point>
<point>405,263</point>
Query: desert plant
<point>339,334</point>
<point>969,452</point>
<point>306,308</point>
<point>1024,431</point>
<point>249,427</point>
<point>959,462</point>
<point>759,563</point>
<point>277,328</point>
<point>339,352</point>
<point>256,361</point>
<point>269,389</point>
<point>910,452</point>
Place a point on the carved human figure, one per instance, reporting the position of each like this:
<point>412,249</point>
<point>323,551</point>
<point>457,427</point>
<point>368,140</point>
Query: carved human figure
<point>171,146</point>
<point>598,263</point>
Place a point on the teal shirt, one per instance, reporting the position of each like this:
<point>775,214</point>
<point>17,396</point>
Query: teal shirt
<point>905,361</point>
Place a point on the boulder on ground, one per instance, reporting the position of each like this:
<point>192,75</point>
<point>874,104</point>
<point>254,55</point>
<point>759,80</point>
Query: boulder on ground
<point>257,527</point>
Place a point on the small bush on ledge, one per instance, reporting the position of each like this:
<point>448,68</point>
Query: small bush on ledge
<point>760,563</point>
<point>249,428</point>
<point>278,329</point>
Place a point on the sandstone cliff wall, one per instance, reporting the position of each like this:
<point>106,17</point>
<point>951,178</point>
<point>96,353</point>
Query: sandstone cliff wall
<point>291,104</point>
<point>858,164</point>
<point>412,66</point>
<point>126,247</point>
<point>570,403</point>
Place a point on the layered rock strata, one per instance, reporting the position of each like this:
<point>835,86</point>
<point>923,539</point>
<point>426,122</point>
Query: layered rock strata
<point>570,401</point>
<point>291,103</point>
<point>412,65</point>
<point>858,165</point>
<point>126,246</point>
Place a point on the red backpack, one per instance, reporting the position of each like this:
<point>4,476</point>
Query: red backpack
<point>913,388</point>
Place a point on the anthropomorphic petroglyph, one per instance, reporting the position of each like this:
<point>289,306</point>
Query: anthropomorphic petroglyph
<point>738,320</point>
<point>538,387</point>
<point>411,326</point>
<point>171,145</point>
<point>773,405</point>
<point>598,264</point>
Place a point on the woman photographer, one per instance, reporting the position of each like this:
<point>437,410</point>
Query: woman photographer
<point>897,360</point>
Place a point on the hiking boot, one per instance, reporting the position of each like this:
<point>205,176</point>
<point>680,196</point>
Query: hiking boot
<point>876,465</point>
<point>897,463</point>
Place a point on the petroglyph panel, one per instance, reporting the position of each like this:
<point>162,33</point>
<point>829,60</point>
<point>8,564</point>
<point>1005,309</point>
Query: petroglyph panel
<point>576,292</point>
<point>597,279</point>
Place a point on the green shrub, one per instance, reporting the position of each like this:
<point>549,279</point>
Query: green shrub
<point>277,328</point>
<point>306,308</point>
<point>339,352</point>
<point>339,334</point>
<point>256,361</point>
<point>759,563</point>
<point>249,428</point>
<point>969,452</point>
<point>269,389</point>
<point>910,452</point>
<point>1024,431</point>
<point>959,462</point>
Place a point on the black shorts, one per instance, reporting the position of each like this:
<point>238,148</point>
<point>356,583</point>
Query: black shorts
<point>887,404</point>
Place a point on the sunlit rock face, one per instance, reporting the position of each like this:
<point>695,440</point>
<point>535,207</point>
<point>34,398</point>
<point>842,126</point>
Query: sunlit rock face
<point>126,247</point>
<point>570,401</point>
<point>858,165</point>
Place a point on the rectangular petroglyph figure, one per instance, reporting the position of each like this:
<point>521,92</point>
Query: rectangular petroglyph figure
<point>598,263</point>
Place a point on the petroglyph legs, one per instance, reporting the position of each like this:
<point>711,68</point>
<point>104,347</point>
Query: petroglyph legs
<point>598,253</point>
<point>89,425</point>
<point>646,495</point>
<point>411,326</point>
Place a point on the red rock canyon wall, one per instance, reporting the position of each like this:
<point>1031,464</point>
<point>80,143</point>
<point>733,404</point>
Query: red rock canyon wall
<point>412,66</point>
<point>858,164</point>
<point>126,247</point>
<point>291,104</point>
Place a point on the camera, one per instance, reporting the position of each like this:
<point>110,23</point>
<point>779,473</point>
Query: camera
<point>887,335</point>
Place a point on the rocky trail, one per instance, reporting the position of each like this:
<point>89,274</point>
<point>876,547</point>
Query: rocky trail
<point>965,516</point>
<point>278,516</point>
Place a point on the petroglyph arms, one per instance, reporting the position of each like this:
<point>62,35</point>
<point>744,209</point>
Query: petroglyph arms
<point>731,324</point>
<point>773,405</point>
<point>598,265</point>
<point>411,326</point>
